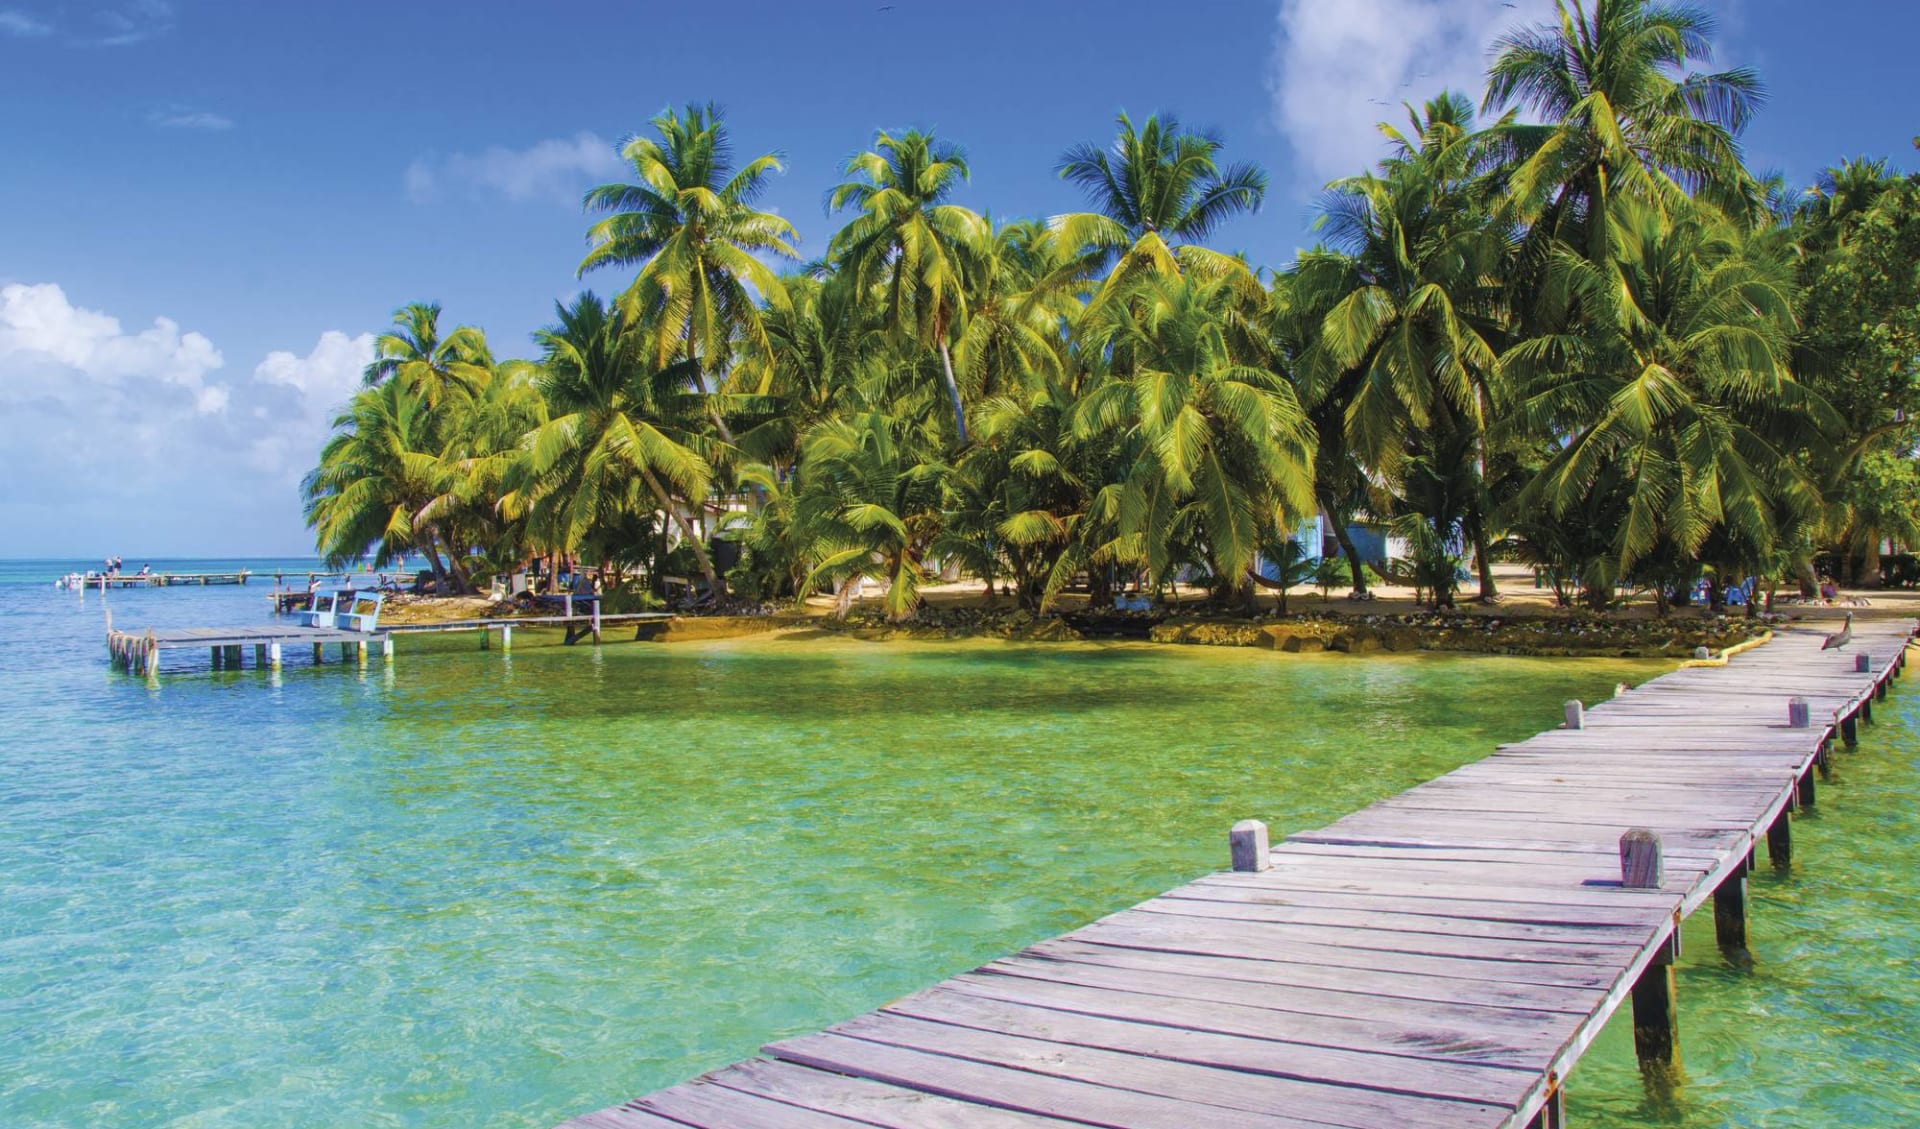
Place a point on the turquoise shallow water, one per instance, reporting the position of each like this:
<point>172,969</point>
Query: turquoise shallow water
<point>474,889</point>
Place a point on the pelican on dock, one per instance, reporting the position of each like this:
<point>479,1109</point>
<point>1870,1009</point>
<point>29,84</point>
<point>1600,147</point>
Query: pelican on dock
<point>1841,637</point>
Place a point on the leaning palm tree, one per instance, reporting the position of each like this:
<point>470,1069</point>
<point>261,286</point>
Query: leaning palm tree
<point>909,244</point>
<point>623,435</point>
<point>436,367</point>
<point>1156,192</point>
<point>690,225</point>
<point>378,470</point>
<point>1625,111</point>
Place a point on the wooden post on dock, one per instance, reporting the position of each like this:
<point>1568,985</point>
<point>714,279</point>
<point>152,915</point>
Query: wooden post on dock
<point>596,622</point>
<point>1780,839</point>
<point>361,647</point>
<point>1656,1018</point>
<point>259,655</point>
<point>1850,730</point>
<point>273,655</point>
<point>1248,842</point>
<point>1805,790</point>
<point>506,637</point>
<point>386,648</point>
<point>319,654</point>
<point>1730,915</point>
<point>1552,1115</point>
<point>1862,664</point>
<point>1576,714</point>
<point>1799,714</point>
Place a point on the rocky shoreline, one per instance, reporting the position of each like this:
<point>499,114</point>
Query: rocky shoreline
<point>1350,634</point>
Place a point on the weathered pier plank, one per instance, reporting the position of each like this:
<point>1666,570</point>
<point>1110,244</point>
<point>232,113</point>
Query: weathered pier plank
<point>1441,958</point>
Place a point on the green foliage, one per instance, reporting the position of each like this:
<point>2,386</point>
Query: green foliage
<point>1591,336</point>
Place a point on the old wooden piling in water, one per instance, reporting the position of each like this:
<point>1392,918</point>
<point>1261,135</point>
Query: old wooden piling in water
<point>1441,958</point>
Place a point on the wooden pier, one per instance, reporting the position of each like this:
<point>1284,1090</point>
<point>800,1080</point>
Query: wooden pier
<point>139,652</point>
<point>102,583</point>
<point>1439,959</point>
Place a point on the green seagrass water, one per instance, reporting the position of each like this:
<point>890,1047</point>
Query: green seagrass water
<point>479,889</point>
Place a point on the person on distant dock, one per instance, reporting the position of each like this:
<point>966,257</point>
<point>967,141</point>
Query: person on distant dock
<point>146,570</point>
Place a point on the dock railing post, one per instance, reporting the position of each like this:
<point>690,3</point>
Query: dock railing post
<point>1656,1018</point>
<point>1576,714</point>
<point>1248,842</point>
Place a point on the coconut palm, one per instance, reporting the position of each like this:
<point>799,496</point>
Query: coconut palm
<point>1677,375</point>
<point>868,503</point>
<point>909,245</point>
<point>623,436</point>
<point>690,225</point>
<point>1156,192</point>
<point>1222,450</point>
<point>377,471</point>
<point>1406,352</point>
<point>435,367</point>
<point>1626,111</point>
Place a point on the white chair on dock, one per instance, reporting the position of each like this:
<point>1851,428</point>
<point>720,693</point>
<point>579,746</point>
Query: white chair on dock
<point>362,614</point>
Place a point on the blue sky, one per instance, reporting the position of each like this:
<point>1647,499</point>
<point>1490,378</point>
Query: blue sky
<point>205,207</point>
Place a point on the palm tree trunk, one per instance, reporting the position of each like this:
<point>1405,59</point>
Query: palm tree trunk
<point>715,585</point>
<point>1352,554</point>
<point>1483,562</point>
<point>953,392</point>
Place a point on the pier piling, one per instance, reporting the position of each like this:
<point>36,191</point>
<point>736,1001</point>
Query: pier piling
<point>1656,1017</point>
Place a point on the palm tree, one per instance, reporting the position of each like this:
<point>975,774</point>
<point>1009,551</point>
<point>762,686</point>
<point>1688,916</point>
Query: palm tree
<point>1626,111</point>
<point>869,503</point>
<point>435,367</point>
<point>690,225</point>
<point>1223,451</point>
<point>1406,351</point>
<point>378,470</point>
<point>481,459</point>
<point>909,244</point>
<point>1676,376</point>
<point>1154,187</point>
<point>623,435</point>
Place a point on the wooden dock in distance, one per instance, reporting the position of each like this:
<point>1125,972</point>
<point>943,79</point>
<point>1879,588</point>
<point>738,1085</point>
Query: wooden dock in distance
<point>1439,959</point>
<point>138,652</point>
<point>161,579</point>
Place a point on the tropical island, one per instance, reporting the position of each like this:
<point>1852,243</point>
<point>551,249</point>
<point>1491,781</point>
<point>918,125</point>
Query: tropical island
<point>1562,324</point>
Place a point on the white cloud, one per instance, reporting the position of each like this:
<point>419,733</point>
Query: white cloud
<point>178,118</point>
<point>41,333</point>
<point>557,169</point>
<point>326,377</point>
<point>1342,66</point>
<point>140,434</point>
<point>17,23</point>
<point>132,22</point>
